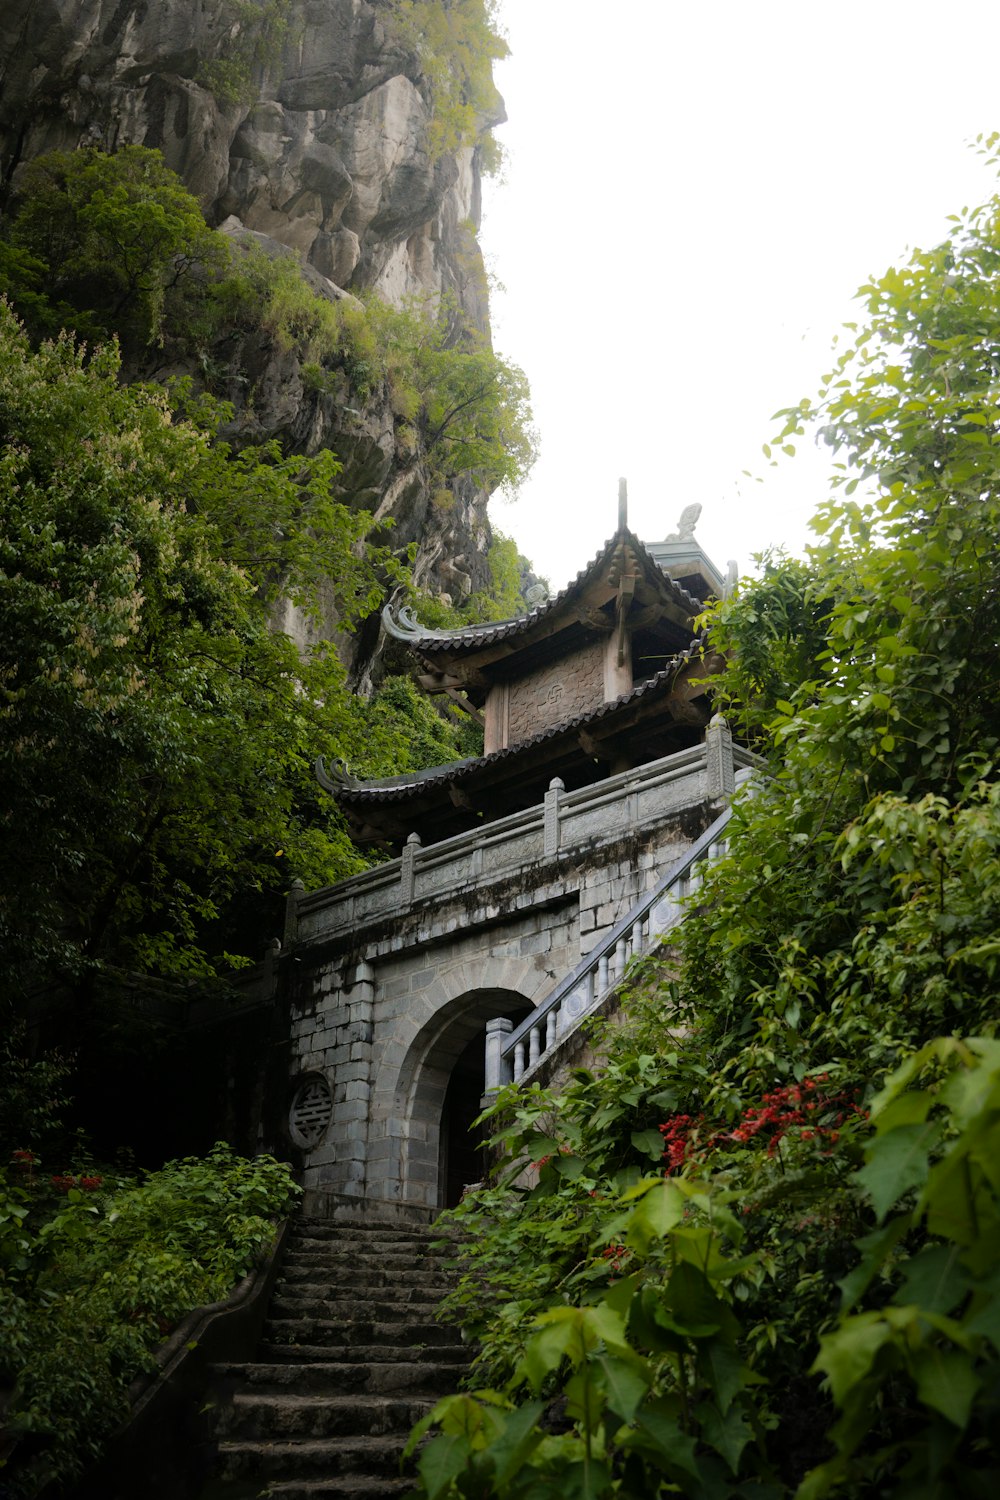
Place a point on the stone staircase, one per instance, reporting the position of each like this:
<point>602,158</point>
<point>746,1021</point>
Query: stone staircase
<point>350,1359</point>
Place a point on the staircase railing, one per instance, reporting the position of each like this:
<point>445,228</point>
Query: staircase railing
<point>512,1051</point>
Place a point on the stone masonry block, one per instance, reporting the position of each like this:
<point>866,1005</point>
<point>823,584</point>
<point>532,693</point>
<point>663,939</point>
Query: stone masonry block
<point>536,942</point>
<point>422,979</point>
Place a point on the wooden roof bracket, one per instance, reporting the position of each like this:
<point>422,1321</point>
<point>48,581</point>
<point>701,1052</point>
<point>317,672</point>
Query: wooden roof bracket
<point>626,590</point>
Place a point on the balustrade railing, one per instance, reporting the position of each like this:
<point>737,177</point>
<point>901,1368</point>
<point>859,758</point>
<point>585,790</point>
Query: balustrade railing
<point>512,1051</point>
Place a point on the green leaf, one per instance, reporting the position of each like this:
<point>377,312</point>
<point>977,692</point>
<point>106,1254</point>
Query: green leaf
<point>897,1162</point>
<point>648,1143</point>
<point>516,1442</point>
<point>626,1382</point>
<point>846,1355</point>
<point>659,1209</point>
<point>659,1435</point>
<point>728,1434</point>
<point>946,1382</point>
<point>724,1370</point>
<point>934,1279</point>
<point>442,1460</point>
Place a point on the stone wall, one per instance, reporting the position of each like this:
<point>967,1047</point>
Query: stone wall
<point>392,975</point>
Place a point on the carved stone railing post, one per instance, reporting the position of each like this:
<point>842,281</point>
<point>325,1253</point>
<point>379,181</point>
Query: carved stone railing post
<point>719,751</point>
<point>496,1029</point>
<point>295,894</point>
<point>555,791</point>
<point>407,871</point>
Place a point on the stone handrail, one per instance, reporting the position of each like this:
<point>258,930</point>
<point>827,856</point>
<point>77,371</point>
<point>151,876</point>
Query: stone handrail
<point>512,1051</point>
<point>497,849</point>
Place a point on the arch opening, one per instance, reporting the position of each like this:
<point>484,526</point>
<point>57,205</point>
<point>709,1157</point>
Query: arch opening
<point>442,1085</point>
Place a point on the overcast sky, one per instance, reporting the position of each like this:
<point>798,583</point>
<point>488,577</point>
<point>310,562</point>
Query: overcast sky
<point>693,193</point>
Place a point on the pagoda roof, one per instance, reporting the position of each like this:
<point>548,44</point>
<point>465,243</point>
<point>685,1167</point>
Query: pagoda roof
<point>588,603</point>
<point>666,712</point>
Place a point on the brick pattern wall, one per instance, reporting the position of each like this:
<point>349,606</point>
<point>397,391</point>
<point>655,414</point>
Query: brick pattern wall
<point>572,686</point>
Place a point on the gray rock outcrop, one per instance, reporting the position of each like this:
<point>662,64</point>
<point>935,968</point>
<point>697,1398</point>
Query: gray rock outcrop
<point>330,158</point>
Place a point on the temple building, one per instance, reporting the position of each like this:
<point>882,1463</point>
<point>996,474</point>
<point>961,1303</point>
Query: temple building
<point>605,676</point>
<point>524,878</point>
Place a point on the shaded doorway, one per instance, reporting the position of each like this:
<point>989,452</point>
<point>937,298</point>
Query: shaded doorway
<point>438,1091</point>
<point>462,1160</point>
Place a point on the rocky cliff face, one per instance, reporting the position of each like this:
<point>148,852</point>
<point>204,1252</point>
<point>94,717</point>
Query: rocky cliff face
<point>307,123</point>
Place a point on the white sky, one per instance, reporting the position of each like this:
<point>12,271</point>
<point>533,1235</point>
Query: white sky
<point>693,193</point>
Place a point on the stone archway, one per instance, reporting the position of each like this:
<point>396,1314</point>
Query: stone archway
<point>438,1092</point>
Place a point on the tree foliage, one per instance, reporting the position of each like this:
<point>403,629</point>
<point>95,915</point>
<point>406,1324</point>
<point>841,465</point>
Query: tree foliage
<point>114,244</point>
<point>157,735</point>
<point>103,239</point>
<point>823,1141</point>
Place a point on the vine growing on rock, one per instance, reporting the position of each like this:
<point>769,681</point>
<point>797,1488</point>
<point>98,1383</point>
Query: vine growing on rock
<point>457,43</point>
<point>114,245</point>
<point>254,32</point>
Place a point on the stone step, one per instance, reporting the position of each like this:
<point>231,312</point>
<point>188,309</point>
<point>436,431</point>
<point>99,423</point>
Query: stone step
<point>365,1258</point>
<point>413,1376</point>
<point>348,1487</point>
<point>322,1458</point>
<point>360,1310</point>
<point>274,1417</point>
<point>293,1355</point>
<point>302,1294</point>
<point>379,1279</point>
<point>332,1234</point>
<point>330,1332</point>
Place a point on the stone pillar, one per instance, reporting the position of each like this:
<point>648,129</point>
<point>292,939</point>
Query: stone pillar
<point>719,753</point>
<point>497,1074</point>
<point>555,791</point>
<point>407,873</point>
<point>352,1084</point>
<point>295,894</point>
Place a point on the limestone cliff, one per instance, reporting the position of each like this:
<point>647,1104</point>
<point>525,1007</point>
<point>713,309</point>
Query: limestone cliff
<point>310,124</point>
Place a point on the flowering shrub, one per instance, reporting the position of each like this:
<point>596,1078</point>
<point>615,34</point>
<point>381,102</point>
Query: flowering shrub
<point>800,1107</point>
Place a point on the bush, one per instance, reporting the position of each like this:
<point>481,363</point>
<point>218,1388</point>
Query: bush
<point>95,1271</point>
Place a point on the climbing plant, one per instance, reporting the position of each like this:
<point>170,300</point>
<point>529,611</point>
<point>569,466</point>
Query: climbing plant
<point>457,43</point>
<point>253,34</point>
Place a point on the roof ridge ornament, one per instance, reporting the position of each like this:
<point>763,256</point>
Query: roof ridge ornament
<point>622,504</point>
<point>333,775</point>
<point>406,627</point>
<point>686,524</point>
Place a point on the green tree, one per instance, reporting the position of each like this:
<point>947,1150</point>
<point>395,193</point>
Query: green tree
<point>157,736</point>
<point>110,235</point>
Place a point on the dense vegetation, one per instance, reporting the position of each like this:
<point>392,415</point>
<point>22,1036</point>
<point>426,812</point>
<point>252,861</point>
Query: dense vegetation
<point>456,43</point>
<point>158,735</point>
<point>758,1253</point>
<point>97,1267</point>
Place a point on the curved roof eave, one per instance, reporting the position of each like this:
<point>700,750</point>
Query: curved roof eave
<point>406,627</point>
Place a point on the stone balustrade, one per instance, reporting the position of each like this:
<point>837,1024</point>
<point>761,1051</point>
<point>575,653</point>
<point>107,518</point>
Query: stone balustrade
<point>512,1052</point>
<point>498,850</point>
